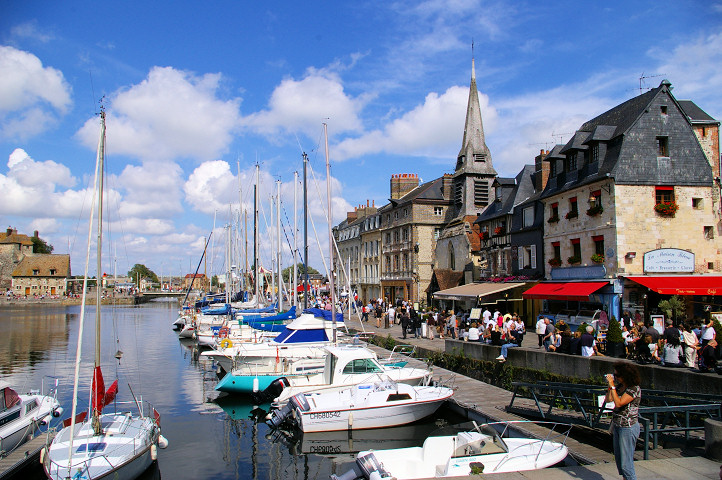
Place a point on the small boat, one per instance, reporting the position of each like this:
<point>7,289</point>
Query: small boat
<point>379,404</point>
<point>22,415</point>
<point>345,365</point>
<point>480,450</point>
<point>257,375</point>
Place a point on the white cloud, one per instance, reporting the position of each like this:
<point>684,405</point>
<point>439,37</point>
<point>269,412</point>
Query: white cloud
<point>171,114</point>
<point>302,105</point>
<point>30,30</point>
<point>152,189</point>
<point>32,96</point>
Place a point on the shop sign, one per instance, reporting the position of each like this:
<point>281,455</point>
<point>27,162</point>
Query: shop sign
<point>668,260</point>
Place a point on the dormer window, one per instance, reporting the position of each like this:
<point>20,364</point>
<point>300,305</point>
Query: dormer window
<point>53,271</point>
<point>497,193</point>
<point>480,157</point>
<point>36,271</point>
<point>663,109</point>
<point>553,168</point>
<point>594,154</point>
<point>572,162</point>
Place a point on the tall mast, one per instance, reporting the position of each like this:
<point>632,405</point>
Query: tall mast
<point>99,251</point>
<point>278,245</point>
<point>307,290</point>
<point>295,239</point>
<point>273,256</point>
<point>256,280</point>
<point>330,234</point>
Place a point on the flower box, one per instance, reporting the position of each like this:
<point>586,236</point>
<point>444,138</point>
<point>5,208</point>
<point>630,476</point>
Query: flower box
<point>595,210</point>
<point>571,214</point>
<point>484,235</point>
<point>498,230</point>
<point>555,262</point>
<point>574,260</point>
<point>666,208</point>
<point>553,219</point>
<point>596,258</point>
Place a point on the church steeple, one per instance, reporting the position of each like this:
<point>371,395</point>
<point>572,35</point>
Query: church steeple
<point>474,171</point>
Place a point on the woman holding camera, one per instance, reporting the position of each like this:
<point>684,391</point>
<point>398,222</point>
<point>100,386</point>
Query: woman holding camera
<point>625,392</point>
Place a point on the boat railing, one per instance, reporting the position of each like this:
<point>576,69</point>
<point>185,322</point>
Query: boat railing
<point>557,433</point>
<point>94,461</point>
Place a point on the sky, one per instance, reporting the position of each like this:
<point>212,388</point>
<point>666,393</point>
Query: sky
<point>199,93</point>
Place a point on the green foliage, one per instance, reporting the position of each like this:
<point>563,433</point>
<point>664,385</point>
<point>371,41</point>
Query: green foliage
<point>573,260</point>
<point>41,246</point>
<point>614,332</point>
<point>717,329</point>
<point>214,281</point>
<point>139,272</point>
<point>286,272</point>
<point>582,327</point>
<point>673,307</point>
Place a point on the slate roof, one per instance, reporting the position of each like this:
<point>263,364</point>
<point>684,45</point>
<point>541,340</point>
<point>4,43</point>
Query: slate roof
<point>514,191</point>
<point>446,278</point>
<point>15,238</point>
<point>623,115</point>
<point>44,263</point>
<point>430,190</point>
<point>694,113</point>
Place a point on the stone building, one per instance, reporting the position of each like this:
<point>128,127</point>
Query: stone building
<point>199,281</point>
<point>354,254</point>
<point>41,274</point>
<point>14,247</point>
<point>370,273</point>
<point>634,194</point>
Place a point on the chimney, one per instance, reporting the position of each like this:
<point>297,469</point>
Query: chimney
<point>403,183</point>
<point>35,234</point>
<point>9,231</point>
<point>541,170</point>
<point>351,216</point>
<point>447,185</point>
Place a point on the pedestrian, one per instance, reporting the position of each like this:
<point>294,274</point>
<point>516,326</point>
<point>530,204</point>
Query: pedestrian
<point>708,332</point>
<point>625,392</point>
<point>391,312</point>
<point>378,313</point>
<point>548,331</point>
<point>453,325</point>
<point>691,344</point>
<point>365,312</point>
<point>415,322</point>
<point>404,319</point>
<point>431,324</point>
<point>589,344</point>
<point>541,331</point>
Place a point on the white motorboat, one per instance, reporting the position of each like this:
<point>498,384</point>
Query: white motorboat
<point>480,450</point>
<point>304,337</point>
<point>378,404</point>
<point>23,415</point>
<point>345,366</point>
<point>117,445</point>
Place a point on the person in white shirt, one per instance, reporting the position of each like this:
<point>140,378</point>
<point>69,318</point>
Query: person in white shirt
<point>392,314</point>
<point>473,333</point>
<point>486,315</point>
<point>541,331</point>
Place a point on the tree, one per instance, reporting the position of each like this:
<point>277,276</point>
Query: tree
<point>139,272</point>
<point>673,308</point>
<point>286,272</point>
<point>41,246</point>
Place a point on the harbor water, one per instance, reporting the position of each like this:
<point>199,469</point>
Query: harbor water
<point>211,436</point>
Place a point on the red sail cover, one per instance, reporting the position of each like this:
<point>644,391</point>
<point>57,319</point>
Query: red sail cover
<point>98,390</point>
<point>79,418</point>
<point>11,397</point>
<point>111,393</point>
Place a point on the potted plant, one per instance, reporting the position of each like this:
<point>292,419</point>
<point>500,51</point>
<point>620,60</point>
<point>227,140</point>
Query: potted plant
<point>484,235</point>
<point>615,341</point>
<point>555,262</point>
<point>667,209</point>
<point>596,258</point>
<point>571,214</point>
<point>553,219</point>
<point>595,210</point>
<point>573,260</point>
<point>498,230</point>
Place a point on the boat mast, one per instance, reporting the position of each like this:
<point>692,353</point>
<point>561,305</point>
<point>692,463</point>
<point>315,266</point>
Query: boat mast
<point>278,245</point>
<point>255,235</point>
<point>330,235</point>
<point>294,284</point>
<point>306,289</point>
<point>99,247</point>
<point>273,247</point>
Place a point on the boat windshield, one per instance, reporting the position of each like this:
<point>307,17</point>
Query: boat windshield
<point>474,443</point>
<point>362,365</point>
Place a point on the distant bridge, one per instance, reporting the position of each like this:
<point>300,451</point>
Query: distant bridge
<point>144,297</point>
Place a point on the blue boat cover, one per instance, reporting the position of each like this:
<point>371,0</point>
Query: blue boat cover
<point>224,310</point>
<point>302,336</point>
<point>326,314</point>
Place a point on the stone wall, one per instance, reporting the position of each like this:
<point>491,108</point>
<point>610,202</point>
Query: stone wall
<point>653,376</point>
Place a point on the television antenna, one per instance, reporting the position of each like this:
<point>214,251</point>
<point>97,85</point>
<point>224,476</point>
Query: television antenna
<point>644,77</point>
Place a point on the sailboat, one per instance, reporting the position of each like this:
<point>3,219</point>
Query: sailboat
<point>120,445</point>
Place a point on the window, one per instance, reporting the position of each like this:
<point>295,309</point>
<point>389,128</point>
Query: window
<point>663,109</point>
<point>396,262</point>
<point>438,211</point>
<point>664,194</point>
<point>452,260</point>
<point>576,247</point>
<point>557,250</point>
<point>36,272</point>
<point>405,232</point>
<point>479,157</point>
<point>553,168</point>
<point>528,216</point>
<point>406,261</point>
<point>388,263</point>
<point>481,193</point>
<point>396,215</point>
<point>555,210</point>
<point>396,236</point>
<point>437,232</point>
<point>497,193</point>
<point>527,257</point>
<point>710,265</point>
<point>459,193</point>
<point>598,244</point>
<point>708,232</point>
<point>361,365</point>
<point>595,153</point>
<point>52,271</point>
<point>406,212</point>
<point>573,209</point>
<point>697,203</point>
<point>663,146</point>
<point>388,238</point>
<point>572,162</point>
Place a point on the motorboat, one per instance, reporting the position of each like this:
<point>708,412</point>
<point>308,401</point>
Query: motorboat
<point>252,328</point>
<point>119,445</point>
<point>378,404</point>
<point>479,450</point>
<point>345,365</point>
<point>303,337</point>
<point>21,416</point>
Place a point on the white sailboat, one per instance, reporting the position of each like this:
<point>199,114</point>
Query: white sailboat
<point>119,445</point>
<point>22,415</point>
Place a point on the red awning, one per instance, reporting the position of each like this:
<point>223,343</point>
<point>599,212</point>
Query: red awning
<point>578,291</point>
<point>682,284</point>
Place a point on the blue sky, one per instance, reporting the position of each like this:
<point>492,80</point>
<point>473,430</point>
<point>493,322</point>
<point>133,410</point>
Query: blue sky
<point>192,89</point>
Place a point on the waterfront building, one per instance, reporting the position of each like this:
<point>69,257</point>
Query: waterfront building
<point>14,247</point>
<point>199,281</point>
<point>41,274</point>
<point>370,266</point>
<point>635,197</point>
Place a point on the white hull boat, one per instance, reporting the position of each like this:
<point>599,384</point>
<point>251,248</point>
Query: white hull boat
<point>345,366</point>
<point>481,450</point>
<point>23,415</point>
<point>368,405</point>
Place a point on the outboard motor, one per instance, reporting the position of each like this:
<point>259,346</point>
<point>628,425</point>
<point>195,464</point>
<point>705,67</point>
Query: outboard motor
<point>296,402</point>
<point>271,392</point>
<point>366,467</point>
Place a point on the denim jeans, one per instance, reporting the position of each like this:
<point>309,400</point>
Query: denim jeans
<point>505,348</point>
<point>624,440</point>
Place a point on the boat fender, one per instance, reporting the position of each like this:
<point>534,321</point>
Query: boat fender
<point>42,456</point>
<point>271,392</point>
<point>46,420</point>
<point>256,387</point>
<point>226,343</point>
<point>154,452</point>
<point>57,412</point>
<point>162,441</point>
<point>350,420</point>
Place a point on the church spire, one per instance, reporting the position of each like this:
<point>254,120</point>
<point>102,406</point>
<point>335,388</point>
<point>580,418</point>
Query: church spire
<point>473,146</point>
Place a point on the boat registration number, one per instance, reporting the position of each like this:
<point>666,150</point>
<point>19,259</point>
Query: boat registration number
<point>322,415</point>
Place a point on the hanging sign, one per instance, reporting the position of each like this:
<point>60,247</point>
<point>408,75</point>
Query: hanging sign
<point>668,260</point>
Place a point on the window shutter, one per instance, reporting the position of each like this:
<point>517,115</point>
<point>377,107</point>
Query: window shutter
<point>533,256</point>
<point>520,257</point>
